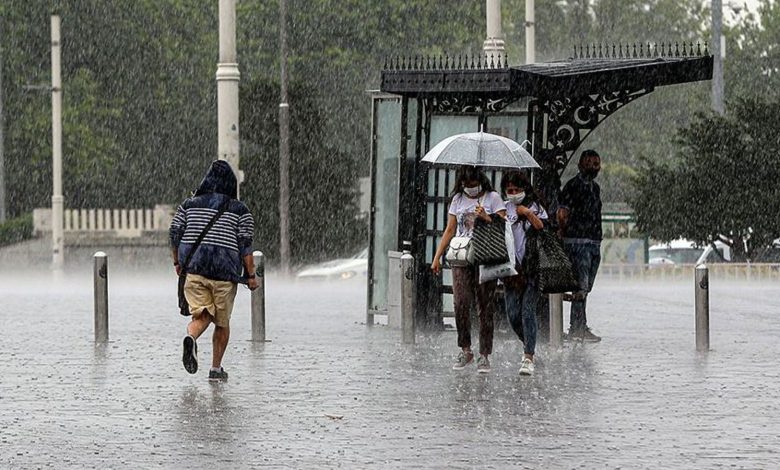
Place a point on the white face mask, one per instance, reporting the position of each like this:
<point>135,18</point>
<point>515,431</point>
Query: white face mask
<point>516,199</point>
<point>473,190</point>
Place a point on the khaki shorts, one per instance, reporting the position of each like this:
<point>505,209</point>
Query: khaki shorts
<point>216,297</point>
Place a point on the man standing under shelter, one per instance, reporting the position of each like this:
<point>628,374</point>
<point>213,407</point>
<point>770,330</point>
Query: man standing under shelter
<point>579,224</point>
<point>211,236</point>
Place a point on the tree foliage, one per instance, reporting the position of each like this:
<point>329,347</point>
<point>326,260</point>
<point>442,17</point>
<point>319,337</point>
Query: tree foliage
<point>723,181</point>
<point>140,96</point>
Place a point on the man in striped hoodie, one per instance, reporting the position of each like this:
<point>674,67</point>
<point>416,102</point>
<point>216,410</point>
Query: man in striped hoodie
<point>215,267</point>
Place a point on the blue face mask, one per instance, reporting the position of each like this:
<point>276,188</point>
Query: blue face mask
<point>472,191</point>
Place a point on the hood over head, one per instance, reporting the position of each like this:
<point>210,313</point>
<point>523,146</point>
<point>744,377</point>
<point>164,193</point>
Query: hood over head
<point>219,179</point>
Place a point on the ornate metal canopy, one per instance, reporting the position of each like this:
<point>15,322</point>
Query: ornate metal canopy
<point>570,97</point>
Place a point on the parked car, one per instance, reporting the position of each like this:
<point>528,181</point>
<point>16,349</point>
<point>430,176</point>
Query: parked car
<point>675,252</point>
<point>343,268</point>
<point>686,252</point>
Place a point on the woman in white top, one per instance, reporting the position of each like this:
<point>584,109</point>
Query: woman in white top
<point>525,213</point>
<point>472,196</point>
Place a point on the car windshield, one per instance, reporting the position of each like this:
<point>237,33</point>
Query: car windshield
<point>677,255</point>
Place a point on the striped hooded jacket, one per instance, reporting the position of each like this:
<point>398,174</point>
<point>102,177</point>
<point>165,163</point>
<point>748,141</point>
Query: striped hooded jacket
<point>230,238</point>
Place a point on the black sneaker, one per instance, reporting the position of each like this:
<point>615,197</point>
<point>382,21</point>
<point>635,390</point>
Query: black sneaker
<point>589,337</point>
<point>190,355</point>
<point>219,375</point>
<point>584,335</point>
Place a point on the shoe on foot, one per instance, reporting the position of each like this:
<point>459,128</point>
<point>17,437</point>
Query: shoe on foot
<point>218,375</point>
<point>483,365</point>
<point>526,367</point>
<point>464,359</point>
<point>584,335</point>
<point>190,356</point>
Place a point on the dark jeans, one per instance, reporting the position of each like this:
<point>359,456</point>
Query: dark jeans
<point>465,286</point>
<point>522,314</point>
<point>585,258</point>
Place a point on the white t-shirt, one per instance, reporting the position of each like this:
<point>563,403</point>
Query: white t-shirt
<point>521,226</point>
<point>463,208</point>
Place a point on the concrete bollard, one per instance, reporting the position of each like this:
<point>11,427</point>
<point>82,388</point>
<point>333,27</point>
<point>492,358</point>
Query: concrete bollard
<point>258,299</point>
<point>556,320</point>
<point>702,278</point>
<point>407,297</point>
<point>100,277</point>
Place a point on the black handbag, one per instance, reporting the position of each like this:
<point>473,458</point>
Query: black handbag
<point>546,260</point>
<point>184,306</point>
<point>488,242</point>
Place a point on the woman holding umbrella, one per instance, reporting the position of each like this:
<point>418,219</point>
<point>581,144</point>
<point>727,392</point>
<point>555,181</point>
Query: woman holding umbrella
<point>472,196</point>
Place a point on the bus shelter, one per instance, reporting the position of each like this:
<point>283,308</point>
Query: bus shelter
<point>553,105</point>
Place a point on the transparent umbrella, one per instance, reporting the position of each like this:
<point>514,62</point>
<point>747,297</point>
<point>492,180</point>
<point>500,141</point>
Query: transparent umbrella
<point>480,149</point>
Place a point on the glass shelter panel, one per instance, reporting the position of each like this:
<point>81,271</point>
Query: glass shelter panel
<point>387,143</point>
<point>512,126</point>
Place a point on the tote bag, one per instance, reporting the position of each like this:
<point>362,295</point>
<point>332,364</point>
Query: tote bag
<point>488,243</point>
<point>547,261</point>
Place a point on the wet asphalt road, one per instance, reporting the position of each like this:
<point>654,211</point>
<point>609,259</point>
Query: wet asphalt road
<point>327,391</point>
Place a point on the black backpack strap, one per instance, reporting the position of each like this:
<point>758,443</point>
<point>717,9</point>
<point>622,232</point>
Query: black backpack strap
<point>203,234</point>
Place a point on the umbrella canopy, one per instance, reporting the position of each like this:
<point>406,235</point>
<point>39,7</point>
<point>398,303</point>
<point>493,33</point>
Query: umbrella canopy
<point>480,149</point>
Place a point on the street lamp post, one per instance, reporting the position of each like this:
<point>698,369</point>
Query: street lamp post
<point>530,32</point>
<point>57,199</point>
<point>494,44</point>
<point>227,89</point>
<point>284,147</point>
<point>2,145</point>
<point>717,52</point>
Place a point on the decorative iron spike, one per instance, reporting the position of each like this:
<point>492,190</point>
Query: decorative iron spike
<point>677,49</point>
<point>698,48</point>
<point>479,61</point>
<point>634,53</point>
<point>384,67</point>
<point>614,55</point>
<point>663,50</point>
<point>690,49</point>
<point>594,50</point>
<point>459,61</point>
<point>498,61</point>
<point>506,60</point>
<point>706,49</point>
<point>575,52</point>
<point>684,52</point>
<point>441,65</point>
<point>642,50</point>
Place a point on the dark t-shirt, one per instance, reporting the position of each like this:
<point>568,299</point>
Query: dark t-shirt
<point>583,200</point>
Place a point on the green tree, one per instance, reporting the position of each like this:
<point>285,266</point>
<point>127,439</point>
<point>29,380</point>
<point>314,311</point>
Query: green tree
<point>323,178</point>
<point>722,181</point>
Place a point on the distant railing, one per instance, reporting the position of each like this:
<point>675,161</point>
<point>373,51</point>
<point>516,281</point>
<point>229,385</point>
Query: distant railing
<point>123,222</point>
<point>728,271</point>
